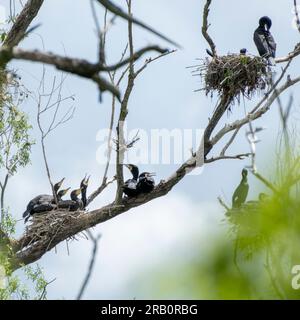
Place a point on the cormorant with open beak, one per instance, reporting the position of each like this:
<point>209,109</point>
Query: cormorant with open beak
<point>241,192</point>
<point>146,182</point>
<point>46,200</point>
<point>83,186</point>
<point>264,40</point>
<point>130,185</point>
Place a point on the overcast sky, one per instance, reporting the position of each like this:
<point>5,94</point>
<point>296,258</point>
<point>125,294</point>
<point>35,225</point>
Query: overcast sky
<point>163,97</point>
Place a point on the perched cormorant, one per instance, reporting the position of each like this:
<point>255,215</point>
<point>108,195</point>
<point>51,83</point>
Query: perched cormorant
<point>130,185</point>
<point>44,199</point>
<point>146,182</point>
<point>240,194</point>
<point>264,40</point>
<point>74,204</point>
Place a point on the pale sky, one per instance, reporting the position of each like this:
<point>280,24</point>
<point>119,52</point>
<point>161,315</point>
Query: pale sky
<point>163,97</point>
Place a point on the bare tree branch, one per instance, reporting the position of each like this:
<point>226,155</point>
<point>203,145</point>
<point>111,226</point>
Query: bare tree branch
<point>255,115</point>
<point>235,157</point>
<point>290,56</point>
<point>95,241</point>
<point>297,15</point>
<point>123,113</point>
<point>79,67</point>
<point>205,27</point>
<point>18,30</point>
<point>110,6</point>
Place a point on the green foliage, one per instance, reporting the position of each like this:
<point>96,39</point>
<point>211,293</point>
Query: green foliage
<point>13,286</point>
<point>15,148</point>
<point>15,142</point>
<point>254,260</point>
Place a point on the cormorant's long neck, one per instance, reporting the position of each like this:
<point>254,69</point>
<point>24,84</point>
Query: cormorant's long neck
<point>244,180</point>
<point>74,198</point>
<point>135,173</point>
<point>83,197</point>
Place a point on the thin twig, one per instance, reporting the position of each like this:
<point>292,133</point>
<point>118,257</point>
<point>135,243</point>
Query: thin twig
<point>95,241</point>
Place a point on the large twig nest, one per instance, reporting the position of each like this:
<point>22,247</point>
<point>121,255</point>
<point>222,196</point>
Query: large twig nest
<point>47,225</point>
<point>235,75</point>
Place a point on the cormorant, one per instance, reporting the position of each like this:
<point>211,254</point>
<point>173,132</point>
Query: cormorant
<point>130,185</point>
<point>240,194</point>
<point>61,193</point>
<point>243,51</point>
<point>83,186</point>
<point>146,182</point>
<point>44,199</point>
<point>74,204</point>
<point>264,40</point>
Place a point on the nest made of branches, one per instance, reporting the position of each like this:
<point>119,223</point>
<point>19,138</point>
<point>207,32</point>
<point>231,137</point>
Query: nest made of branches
<point>235,75</point>
<point>47,225</point>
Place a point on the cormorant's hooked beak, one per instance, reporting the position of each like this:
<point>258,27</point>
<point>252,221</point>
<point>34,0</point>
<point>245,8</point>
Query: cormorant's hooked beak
<point>151,174</point>
<point>85,181</point>
<point>60,182</point>
<point>128,166</point>
<point>65,191</point>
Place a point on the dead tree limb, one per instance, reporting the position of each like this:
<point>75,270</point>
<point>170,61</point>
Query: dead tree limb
<point>24,19</point>
<point>205,27</point>
<point>95,241</point>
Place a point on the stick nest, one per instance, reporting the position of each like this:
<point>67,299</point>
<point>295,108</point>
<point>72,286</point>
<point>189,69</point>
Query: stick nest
<point>48,225</point>
<point>235,75</point>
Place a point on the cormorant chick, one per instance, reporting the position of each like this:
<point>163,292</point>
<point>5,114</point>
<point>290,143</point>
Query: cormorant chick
<point>264,40</point>
<point>243,51</point>
<point>146,182</point>
<point>74,204</point>
<point>130,186</point>
<point>44,199</point>
<point>240,194</point>
<point>83,186</point>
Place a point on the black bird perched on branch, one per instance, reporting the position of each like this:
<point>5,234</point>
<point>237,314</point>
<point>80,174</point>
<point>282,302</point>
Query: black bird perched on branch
<point>146,182</point>
<point>130,185</point>
<point>264,40</point>
<point>44,202</point>
<point>241,192</point>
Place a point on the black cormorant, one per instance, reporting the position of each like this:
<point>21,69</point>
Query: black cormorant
<point>44,199</point>
<point>74,204</point>
<point>146,182</point>
<point>264,40</point>
<point>130,185</point>
<point>240,194</point>
<point>83,186</point>
<point>243,51</point>
<point>62,193</point>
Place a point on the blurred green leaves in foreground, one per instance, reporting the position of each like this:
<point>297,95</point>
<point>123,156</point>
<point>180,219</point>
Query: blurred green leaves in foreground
<point>258,257</point>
